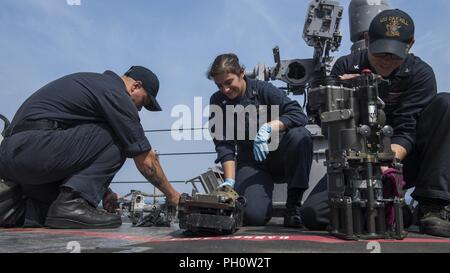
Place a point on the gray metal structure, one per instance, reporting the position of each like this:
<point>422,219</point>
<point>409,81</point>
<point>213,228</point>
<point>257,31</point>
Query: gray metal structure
<point>213,209</point>
<point>145,214</point>
<point>6,124</point>
<point>322,32</point>
<point>354,123</point>
<point>209,180</point>
<point>220,211</point>
<point>361,13</point>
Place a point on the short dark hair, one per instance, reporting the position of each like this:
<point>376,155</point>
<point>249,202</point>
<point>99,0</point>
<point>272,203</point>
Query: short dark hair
<point>225,63</point>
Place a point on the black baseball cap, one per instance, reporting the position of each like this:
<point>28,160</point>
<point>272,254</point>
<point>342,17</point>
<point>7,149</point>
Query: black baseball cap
<point>391,31</point>
<point>150,83</point>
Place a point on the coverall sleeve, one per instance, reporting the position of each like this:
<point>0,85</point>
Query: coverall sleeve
<point>291,113</point>
<point>226,149</point>
<point>419,93</point>
<point>122,116</point>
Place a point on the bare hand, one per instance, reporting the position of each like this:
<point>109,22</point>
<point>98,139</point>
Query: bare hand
<point>110,201</point>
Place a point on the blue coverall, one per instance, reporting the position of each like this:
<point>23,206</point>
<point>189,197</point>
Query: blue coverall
<point>290,163</point>
<point>97,127</point>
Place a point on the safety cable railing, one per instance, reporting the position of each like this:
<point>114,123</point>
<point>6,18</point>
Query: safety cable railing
<point>169,154</point>
<point>181,129</point>
<point>174,130</point>
<point>145,182</point>
<point>193,153</point>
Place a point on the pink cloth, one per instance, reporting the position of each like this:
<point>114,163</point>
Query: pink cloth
<point>393,184</point>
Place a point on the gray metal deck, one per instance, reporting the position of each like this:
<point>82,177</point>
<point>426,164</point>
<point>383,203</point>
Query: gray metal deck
<point>272,238</point>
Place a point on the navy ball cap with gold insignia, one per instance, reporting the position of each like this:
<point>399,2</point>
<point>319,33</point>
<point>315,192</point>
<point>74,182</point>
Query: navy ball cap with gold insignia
<point>391,31</point>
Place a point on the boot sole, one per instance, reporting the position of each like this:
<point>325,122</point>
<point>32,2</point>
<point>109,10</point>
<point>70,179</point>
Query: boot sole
<point>61,223</point>
<point>9,191</point>
<point>435,231</point>
<point>12,204</point>
<point>300,227</point>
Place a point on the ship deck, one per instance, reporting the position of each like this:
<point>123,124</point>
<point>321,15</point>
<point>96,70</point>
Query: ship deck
<point>272,238</point>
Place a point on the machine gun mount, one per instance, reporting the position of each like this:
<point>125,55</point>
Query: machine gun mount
<point>354,123</point>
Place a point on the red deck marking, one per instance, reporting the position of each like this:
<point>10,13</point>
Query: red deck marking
<point>254,238</point>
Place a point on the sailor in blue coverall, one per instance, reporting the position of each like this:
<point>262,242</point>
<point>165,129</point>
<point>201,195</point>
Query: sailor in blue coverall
<point>67,142</point>
<point>419,116</point>
<point>249,164</point>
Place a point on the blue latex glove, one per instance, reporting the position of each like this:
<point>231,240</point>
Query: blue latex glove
<point>228,182</point>
<point>260,147</point>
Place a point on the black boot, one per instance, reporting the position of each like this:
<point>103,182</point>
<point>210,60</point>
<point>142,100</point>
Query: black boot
<point>292,216</point>
<point>71,211</point>
<point>12,205</point>
<point>434,217</point>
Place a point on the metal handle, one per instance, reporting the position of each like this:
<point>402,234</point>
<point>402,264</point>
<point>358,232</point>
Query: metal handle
<point>6,124</point>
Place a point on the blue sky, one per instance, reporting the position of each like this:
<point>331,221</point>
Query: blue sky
<point>42,40</point>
